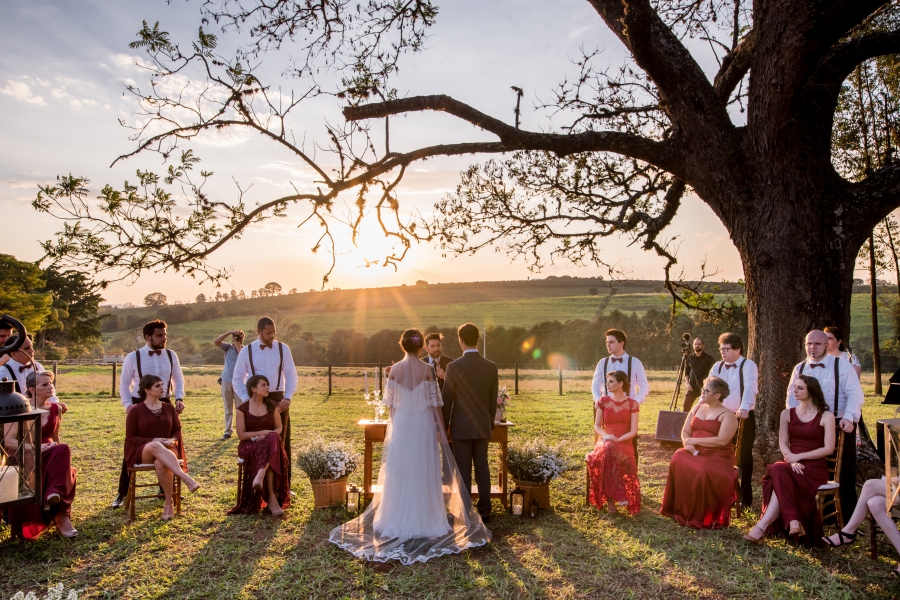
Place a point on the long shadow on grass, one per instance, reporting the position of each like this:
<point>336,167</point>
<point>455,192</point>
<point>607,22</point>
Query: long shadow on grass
<point>227,561</point>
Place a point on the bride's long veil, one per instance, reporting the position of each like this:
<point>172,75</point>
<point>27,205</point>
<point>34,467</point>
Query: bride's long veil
<point>387,529</point>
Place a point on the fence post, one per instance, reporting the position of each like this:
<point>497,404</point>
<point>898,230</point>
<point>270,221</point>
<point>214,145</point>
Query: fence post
<point>560,379</point>
<point>517,379</point>
<point>329,379</point>
<point>114,365</point>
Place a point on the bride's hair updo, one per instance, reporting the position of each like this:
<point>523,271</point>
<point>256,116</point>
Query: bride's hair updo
<point>412,341</point>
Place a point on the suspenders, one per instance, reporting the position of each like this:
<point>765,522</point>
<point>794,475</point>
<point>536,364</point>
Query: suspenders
<point>837,382</point>
<point>280,362</point>
<point>740,374</point>
<point>606,364</point>
<point>137,360</point>
<point>13,378</point>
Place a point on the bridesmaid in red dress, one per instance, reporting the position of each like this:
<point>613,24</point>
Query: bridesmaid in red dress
<point>700,490</point>
<point>612,465</point>
<point>265,461</point>
<point>56,464</point>
<point>806,437</point>
<point>152,434</point>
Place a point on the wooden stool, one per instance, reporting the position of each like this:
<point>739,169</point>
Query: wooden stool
<point>133,485</point>
<point>828,493</point>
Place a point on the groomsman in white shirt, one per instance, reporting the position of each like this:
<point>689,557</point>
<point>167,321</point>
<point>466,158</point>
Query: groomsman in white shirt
<point>267,356</point>
<point>843,395</point>
<point>20,364</point>
<point>619,360</point>
<point>742,376</point>
<point>151,359</point>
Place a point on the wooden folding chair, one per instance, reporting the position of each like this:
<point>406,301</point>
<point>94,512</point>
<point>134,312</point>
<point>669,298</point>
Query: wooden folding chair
<point>828,494</point>
<point>133,485</point>
<point>874,539</point>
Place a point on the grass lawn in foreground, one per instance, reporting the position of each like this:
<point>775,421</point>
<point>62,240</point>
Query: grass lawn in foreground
<point>569,552</point>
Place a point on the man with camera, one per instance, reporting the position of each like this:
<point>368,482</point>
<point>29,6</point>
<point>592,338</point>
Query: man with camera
<point>742,376</point>
<point>231,351</point>
<point>697,366</point>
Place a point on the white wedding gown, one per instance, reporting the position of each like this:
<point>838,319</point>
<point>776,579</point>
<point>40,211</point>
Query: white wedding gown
<point>422,509</point>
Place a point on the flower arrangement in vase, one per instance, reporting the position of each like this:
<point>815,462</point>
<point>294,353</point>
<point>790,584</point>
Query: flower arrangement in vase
<point>502,404</point>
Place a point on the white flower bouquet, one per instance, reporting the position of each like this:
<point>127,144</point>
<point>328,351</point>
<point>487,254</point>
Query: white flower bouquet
<point>55,592</point>
<point>536,462</point>
<point>327,460</point>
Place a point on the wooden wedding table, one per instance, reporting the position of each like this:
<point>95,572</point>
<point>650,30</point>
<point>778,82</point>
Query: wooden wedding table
<point>375,432</point>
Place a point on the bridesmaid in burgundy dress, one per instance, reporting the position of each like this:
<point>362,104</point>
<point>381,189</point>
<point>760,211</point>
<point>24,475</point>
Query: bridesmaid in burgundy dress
<point>700,490</point>
<point>265,461</point>
<point>806,438</point>
<point>153,436</point>
<point>612,464</point>
<point>57,472</point>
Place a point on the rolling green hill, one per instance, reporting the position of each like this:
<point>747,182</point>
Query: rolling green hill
<point>503,303</point>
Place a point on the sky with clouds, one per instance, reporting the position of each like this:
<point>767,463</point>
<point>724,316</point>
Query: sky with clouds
<point>64,64</point>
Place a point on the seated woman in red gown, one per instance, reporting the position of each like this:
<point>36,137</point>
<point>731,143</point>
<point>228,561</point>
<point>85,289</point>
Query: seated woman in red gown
<point>56,468</point>
<point>152,436</point>
<point>700,490</point>
<point>806,437</point>
<point>265,462</point>
<point>612,465</point>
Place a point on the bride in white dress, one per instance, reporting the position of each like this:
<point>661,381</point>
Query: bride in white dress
<point>422,509</point>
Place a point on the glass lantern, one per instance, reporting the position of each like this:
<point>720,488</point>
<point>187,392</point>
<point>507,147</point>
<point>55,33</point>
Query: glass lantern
<point>20,449</point>
<point>517,502</point>
<point>354,500</point>
<point>533,509</point>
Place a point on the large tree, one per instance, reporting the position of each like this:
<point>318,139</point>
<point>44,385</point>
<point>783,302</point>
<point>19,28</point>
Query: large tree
<point>638,137</point>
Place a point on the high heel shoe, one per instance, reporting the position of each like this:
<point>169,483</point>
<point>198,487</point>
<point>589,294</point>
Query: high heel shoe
<point>844,539</point>
<point>53,499</point>
<point>797,531</point>
<point>70,535</point>
<point>166,514</point>
<point>195,488</point>
<point>258,481</point>
<point>754,540</point>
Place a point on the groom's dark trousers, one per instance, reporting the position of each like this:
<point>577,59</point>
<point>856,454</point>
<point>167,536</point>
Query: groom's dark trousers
<point>470,405</point>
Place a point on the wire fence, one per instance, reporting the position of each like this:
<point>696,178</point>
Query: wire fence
<point>95,378</point>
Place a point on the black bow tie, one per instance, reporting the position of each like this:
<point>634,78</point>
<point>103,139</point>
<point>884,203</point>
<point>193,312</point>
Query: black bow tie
<point>156,352</point>
<point>731,366</point>
<point>264,346</point>
<point>24,368</point>
<point>814,365</point>
<point>620,359</point>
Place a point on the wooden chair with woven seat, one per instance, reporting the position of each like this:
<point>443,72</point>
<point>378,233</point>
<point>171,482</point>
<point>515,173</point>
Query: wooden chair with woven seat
<point>133,485</point>
<point>828,494</point>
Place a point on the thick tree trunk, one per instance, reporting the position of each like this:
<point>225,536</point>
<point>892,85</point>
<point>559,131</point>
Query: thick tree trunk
<point>795,283</point>
<point>873,289</point>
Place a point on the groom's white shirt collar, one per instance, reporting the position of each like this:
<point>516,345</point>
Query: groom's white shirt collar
<point>471,350</point>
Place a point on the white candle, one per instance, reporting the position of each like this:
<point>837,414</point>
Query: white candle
<point>517,510</point>
<point>352,506</point>
<point>9,484</point>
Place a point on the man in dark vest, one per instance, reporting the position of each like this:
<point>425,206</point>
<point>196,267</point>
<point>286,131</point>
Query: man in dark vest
<point>267,356</point>
<point>470,405</point>
<point>151,359</point>
<point>435,356</point>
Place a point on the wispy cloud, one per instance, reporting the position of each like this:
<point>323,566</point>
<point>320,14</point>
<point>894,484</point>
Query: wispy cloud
<point>22,91</point>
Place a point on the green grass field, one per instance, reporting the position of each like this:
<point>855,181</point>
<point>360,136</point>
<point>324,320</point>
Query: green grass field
<point>509,312</point>
<point>571,551</point>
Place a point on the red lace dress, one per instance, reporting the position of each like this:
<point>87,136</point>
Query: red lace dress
<point>612,465</point>
<point>700,490</point>
<point>58,477</point>
<point>797,493</point>
<point>268,450</point>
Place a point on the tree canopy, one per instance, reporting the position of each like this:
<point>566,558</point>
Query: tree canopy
<point>761,141</point>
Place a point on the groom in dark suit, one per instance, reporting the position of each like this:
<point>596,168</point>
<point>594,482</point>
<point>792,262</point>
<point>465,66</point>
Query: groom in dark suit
<point>470,404</point>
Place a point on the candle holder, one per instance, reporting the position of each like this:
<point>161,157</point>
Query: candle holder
<point>378,405</point>
<point>517,502</point>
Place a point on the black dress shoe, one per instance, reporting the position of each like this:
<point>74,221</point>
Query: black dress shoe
<point>486,518</point>
<point>119,501</point>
